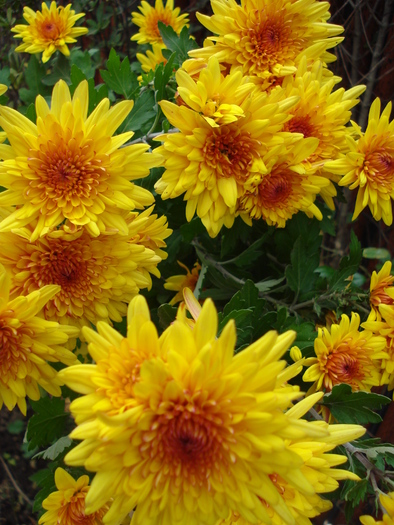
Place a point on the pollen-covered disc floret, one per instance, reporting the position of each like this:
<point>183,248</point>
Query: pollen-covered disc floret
<point>182,430</point>
<point>69,166</point>
<point>387,502</point>
<point>344,354</point>
<point>28,344</point>
<point>66,506</point>
<point>48,30</point>
<point>98,276</point>
<point>148,19</point>
<point>268,38</point>
<point>369,166</point>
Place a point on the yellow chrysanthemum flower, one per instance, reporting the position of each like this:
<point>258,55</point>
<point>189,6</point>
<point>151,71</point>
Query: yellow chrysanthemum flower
<point>387,502</point>
<point>210,164</point>
<point>178,283</point>
<point>148,19</point>
<point>98,276</point>
<point>381,289</point>
<point>383,324</point>
<point>185,431</point>
<point>151,59</point>
<point>369,166</point>
<point>346,355</point>
<point>268,38</point>
<point>66,506</point>
<point>48,30</point>
<point>68,165</point>
<point>317,468</point>
<point>27,342</point>
<point>284,184</point>
<point>218,98</point>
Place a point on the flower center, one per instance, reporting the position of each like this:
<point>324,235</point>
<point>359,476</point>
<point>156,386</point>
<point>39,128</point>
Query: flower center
<point>73,511</point>
<point>65,175</point>
<point>300,125</point>
<point>152,23</point>
<point>379,167</point>
<point>230,152</point>
<point>275,189</point>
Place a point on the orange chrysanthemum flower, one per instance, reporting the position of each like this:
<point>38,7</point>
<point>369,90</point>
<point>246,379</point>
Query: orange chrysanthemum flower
<point>66,506</point>
<point>149,17</point>
<point>27,342</point>
<point>268,38</point>
<point>97,276</point>
<point>210,162</point>
<point>68,165</point>
<point>346,355</point>
<point>182,430</point>
<point>387,502</point>
<point>369,166</point>
<point>381,289</point>
<point>48,30</point>
<point>178,283</point>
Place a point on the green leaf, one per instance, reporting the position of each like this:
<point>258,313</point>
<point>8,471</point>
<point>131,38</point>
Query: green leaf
<point>354,407</point>
<point>268,284</point>
<point>34,74</point>
<point>251,254</point>
<point>347,267</point>
<point>376,253</point>
<point>119,77</point>
<point>163,73</point>
<point>239,316</point>
<point>61,71</point>
<point>167,315</point>
<point>356,491</point>
<point>142,115</point>
<point>46,480</point>
<point>179,44</point>
<point>301,274</point>
<point>48,423</point>
<point>56,449</point>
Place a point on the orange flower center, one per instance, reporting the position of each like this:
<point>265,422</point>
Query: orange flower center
<point>230,152</point>
<point>71,265</point>
<point>153,19</point>
<point>379,166</point>
<point>65,174</point>
<point>190,445</point>
<point>73,511</point>
<point>301,124</point>
<point>50,30</point>
<point>276,188</point>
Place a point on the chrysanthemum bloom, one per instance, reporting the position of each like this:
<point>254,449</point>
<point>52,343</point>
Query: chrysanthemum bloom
<point>285,184</point>
<point>369,166</point>
<point>69,166</point>
<point>182,429</point>
<point>317,468</point>
<point>209,164</point>
<point>66,506</point>
<point>383,325</point>
<point>267,38</point>
<point>218,98</point>
<point>27,342</point>
<point>149,17</point>
<point>48,30</point>
<point>387,502</point>
<point>321,113</point>
<point>151,59</point>
<point>98,276</point>
<point>381,289</point>
<point>178,283</point>
<point>344,354</point>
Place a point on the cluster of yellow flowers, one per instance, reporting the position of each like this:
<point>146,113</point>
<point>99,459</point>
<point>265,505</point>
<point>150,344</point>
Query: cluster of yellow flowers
<point>176,428</point>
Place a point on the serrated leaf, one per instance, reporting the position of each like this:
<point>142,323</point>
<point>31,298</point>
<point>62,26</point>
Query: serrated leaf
<point>119,77</point>
<point>142,115</point>
<point>251,254</point>
<point>48,423</point>
<point>247,297</point>
<point>179,44</point>
<point>348,266</point>
<point>268,284</point>
<point>163,73</point>
<point>356,491</point>
<point>55,450</point>
<point>242,319</point>
<point>354,407</point>
<point>301,274</point>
